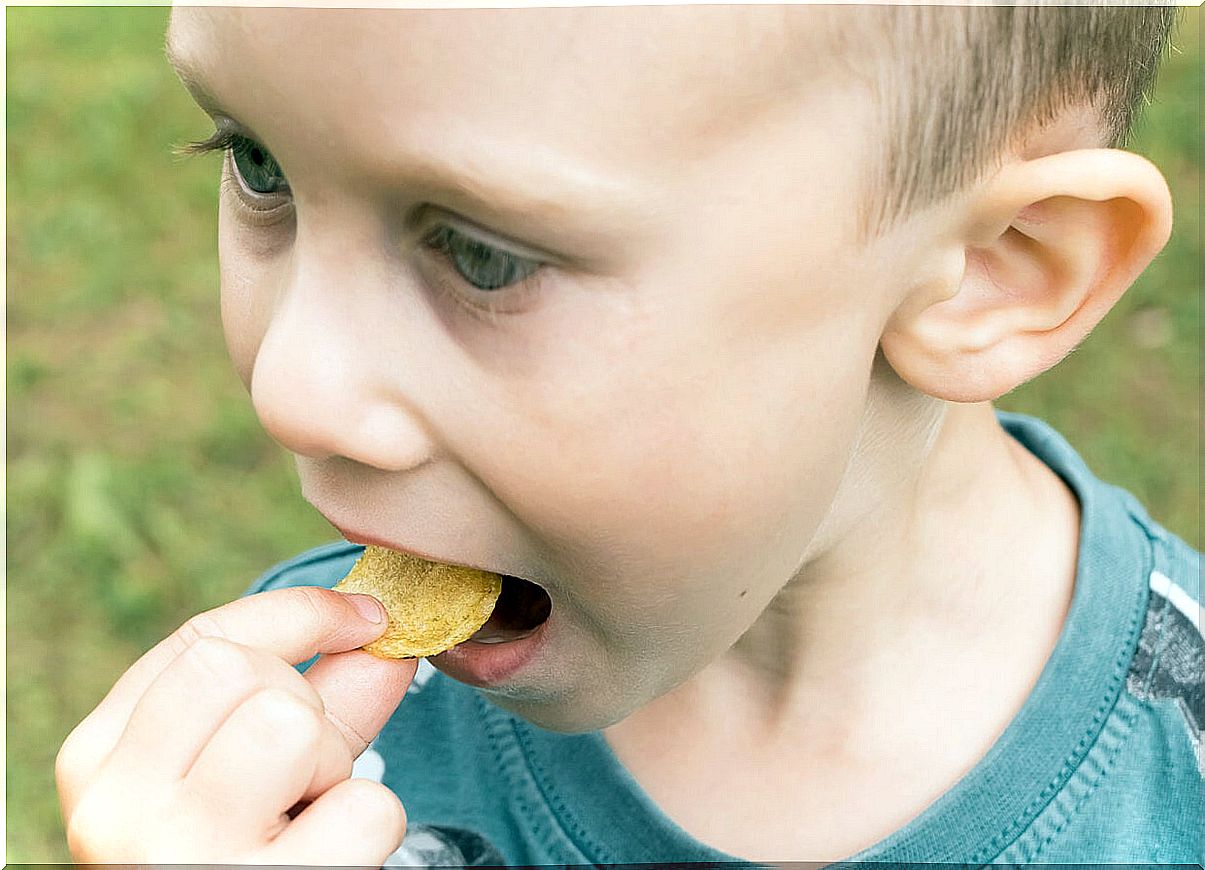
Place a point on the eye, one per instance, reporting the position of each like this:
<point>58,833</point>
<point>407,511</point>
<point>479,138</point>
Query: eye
<point>481,265</point>
<point>254,172</point>
<point>256,167</point>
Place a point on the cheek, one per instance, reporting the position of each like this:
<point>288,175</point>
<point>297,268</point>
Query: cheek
<point>679,479</point>
<point>752,463</point>
<point>674,526</point>
<point>245,301</point>
<point>704,436</point>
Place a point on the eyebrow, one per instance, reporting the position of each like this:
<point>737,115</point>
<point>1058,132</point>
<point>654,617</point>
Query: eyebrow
<point>569,193</point>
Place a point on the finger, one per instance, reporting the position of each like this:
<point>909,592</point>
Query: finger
<point>213,677</point>
<point>209,680</point>
<point>259,763</point>
<point>358,822</point>
<point>294,624</point>
<point>360,692</point>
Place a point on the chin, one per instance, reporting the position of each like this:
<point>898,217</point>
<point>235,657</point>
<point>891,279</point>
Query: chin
<point>560,715</point>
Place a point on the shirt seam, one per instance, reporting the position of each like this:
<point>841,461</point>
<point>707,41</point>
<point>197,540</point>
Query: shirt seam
<point>499,724</point>
<point>1116,686</point>
<point>1106,767</point>
<point>564,817</point>
<point>515,794</point>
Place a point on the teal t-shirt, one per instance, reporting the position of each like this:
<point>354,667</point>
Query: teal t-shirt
<point>1102,764</point>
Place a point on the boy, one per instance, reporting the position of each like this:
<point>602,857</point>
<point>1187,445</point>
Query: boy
<point>688,320</point>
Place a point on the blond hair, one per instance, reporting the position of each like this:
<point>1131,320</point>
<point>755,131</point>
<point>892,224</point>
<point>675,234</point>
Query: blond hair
<point>958,87</point>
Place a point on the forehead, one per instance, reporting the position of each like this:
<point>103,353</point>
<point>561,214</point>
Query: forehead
<point>623,85</point>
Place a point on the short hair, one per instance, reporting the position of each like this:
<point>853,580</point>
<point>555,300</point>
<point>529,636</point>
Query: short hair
<point>957,87</point>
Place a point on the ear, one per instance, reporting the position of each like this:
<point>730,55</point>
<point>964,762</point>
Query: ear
<point>1042,251</point>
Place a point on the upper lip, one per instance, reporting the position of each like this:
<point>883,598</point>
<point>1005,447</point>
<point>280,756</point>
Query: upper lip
<point>371,540</point>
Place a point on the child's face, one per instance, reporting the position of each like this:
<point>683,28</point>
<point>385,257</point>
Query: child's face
<point>653,425</point>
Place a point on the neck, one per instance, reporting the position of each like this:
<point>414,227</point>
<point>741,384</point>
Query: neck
<point>950,549</point>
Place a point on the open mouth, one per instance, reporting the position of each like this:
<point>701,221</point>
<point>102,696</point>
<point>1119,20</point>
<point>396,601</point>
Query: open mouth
<point>522,607</point>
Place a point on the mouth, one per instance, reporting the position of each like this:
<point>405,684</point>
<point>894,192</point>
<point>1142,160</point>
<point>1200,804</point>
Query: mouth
<point>522,606</point>
<point>521,609</point>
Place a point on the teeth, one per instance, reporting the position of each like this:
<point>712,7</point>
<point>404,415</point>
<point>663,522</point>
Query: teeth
<point>491,636</point>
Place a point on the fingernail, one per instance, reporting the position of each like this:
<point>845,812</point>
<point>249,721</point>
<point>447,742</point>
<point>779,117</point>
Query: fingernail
<point>368,607</point>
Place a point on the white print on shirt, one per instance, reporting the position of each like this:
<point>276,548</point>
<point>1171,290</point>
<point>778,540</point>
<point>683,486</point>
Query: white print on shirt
<point>1170,658</point>
<point>1183,602</point>
<point>425,672</point>
<point>370,764</point>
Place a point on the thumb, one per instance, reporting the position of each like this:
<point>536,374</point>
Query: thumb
<point>360,692</point>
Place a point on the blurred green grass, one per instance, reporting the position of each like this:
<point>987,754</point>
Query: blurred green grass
<point>141,489</point>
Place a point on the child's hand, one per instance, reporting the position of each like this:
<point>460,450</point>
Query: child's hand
<point>205,744</point>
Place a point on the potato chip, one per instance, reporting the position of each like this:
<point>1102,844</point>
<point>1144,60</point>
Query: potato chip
<point>431,606</point>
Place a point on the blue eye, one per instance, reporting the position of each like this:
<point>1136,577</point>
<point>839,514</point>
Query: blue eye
<point>256,166</point>
<point>482,265</point>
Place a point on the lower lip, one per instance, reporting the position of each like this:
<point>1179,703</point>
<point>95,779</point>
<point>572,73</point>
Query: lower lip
<point>489,664</point>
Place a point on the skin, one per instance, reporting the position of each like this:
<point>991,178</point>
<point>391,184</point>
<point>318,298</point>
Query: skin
<point>753,462</point>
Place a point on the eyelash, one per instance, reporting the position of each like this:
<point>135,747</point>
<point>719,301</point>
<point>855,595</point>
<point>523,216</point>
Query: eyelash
<point>512,296</point>
<point>487,309</point>
<point>224,141</point>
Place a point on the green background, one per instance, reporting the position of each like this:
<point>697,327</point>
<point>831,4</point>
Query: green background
<point>141,489</point>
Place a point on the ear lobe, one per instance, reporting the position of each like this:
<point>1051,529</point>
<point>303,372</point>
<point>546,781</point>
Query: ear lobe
<point>1047,247</point>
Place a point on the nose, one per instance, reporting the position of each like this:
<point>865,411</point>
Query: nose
<point>320,391</point>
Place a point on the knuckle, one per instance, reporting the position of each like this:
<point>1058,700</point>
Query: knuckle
<point>78,754</point>
<point>95,833</point>
<point>194,629</point>
<point>282,712</point>
<point>316,601</point>
<point>222,660</point>
<point>344,761</point>
<point>300,688</point>
<point>199,626</point>
<point>69,759</point>
<point>346,764</point>
<point>306,689</point>
<point>284,675</point>
<point>382,809</point>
